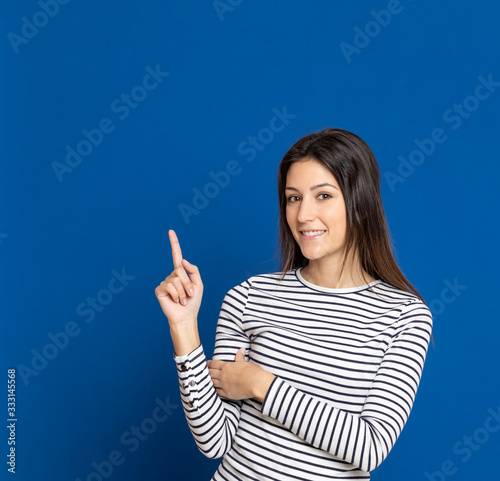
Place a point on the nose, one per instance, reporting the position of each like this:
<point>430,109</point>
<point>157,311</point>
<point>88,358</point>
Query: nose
<point>306,211</point>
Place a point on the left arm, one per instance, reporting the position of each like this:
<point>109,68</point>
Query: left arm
<point>363,439</point>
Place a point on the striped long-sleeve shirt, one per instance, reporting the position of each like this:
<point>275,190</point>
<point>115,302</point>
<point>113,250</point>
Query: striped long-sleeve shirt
<point>347,363</point>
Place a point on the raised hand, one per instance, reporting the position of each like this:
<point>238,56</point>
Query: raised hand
<point>180,297</point>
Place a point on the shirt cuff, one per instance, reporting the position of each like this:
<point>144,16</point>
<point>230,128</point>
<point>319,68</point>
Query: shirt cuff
<point>273,397</point>
<point>193,377</point>
<point>183,358</point>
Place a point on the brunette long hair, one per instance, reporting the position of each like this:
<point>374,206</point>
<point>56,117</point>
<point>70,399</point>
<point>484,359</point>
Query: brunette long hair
<point>357,172</point>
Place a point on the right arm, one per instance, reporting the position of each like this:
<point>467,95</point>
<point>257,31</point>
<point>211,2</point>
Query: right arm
<point>213,421</point>
<point>180,296</point>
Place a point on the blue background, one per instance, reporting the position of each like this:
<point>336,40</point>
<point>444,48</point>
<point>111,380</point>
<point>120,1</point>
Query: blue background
<point>230,69</point>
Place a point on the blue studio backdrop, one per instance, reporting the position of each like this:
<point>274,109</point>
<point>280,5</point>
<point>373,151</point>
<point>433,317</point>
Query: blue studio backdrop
<point>122,120</point>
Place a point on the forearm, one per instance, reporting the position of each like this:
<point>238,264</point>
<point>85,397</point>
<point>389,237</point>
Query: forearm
<point>213,421</point>
<point>351,437</point>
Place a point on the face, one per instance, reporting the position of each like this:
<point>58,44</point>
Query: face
<point>316,212</point>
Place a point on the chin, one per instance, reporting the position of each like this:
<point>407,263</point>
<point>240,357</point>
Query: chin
<point>311,256</point>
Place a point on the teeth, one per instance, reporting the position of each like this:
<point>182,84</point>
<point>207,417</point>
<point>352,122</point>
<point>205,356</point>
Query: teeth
<point>312,232</point>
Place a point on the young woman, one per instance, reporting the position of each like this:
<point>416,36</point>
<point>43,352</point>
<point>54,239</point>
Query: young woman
<point>315,368</point>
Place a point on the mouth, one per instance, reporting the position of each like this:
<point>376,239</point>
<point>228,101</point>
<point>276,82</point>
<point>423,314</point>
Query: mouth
<point>312,234</point>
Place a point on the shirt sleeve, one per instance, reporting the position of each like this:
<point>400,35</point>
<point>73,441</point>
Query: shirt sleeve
<point>214,420</point>
<point>363,439</point>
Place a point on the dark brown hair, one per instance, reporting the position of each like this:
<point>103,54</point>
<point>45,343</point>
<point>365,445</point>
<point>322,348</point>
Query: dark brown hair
<point>356,170</point>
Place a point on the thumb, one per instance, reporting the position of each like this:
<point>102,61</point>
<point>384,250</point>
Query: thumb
<point>240,355</point>
<point>193,272</point>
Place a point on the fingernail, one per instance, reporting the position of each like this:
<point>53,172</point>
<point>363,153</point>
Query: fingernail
<point>184,302</point>
<point>191,292</point>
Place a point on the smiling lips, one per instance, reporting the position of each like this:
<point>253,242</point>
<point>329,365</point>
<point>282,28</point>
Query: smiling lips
<point>312,234</point>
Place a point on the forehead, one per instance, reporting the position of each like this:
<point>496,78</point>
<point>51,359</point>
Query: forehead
<point>308,172</point>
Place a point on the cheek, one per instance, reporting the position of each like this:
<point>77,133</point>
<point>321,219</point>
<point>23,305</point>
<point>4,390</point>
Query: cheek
<point>342,223</point>
<point>337,223</point>
<point>292,223</point>
<point>289,217</point>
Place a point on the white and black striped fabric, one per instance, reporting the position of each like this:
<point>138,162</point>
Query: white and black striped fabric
<point>347,362</point>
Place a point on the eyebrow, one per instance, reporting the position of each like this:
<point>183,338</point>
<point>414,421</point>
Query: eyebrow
<point>314,187</point>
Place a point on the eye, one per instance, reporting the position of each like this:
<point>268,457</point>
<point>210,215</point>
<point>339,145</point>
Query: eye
<point>292,199</point>
<point>324,196</point>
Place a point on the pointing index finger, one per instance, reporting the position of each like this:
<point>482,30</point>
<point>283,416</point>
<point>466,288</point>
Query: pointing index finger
<point>176,249</point>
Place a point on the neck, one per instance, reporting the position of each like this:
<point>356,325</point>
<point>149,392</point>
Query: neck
<point>330,274</point>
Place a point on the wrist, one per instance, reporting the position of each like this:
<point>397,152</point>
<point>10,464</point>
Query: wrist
<point>262,385</point>
<point>185,337</point>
